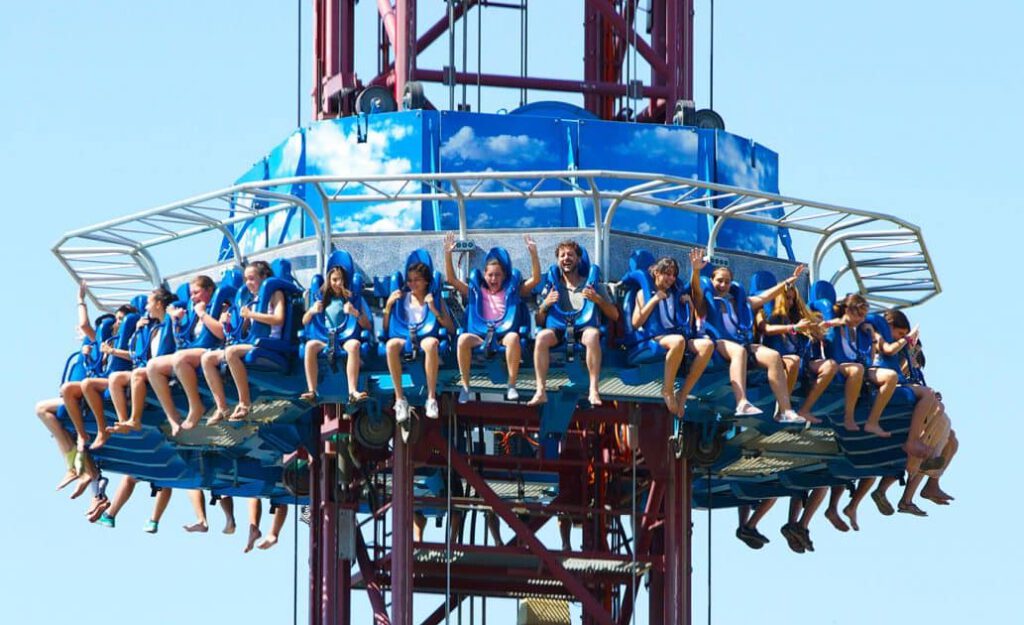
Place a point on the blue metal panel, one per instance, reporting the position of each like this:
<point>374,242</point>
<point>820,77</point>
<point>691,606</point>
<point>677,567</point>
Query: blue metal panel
<point>740,162</point>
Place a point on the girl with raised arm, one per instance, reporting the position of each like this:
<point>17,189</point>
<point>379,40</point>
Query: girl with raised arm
<point>334,305</point>
<point>492,296</point>
<point>416,302</point>
<point>659,315</point>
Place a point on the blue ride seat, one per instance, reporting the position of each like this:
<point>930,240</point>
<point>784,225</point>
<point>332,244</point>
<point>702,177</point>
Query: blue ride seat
<point>87,361</point>
<point>398,324</point>
<point>335,338</point>
<point>570,323</point>
<point>714,322</point>
<point>516,318</point>
<point>640,343</point>
<point>269,353</point>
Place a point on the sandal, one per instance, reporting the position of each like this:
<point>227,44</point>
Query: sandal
<point>240,413</point>
<point>310,397</point>
<point>883,504</point>
<point>217,416</point>
<point>911,508</point>
<point>747,409</point>
<point>358,397</point>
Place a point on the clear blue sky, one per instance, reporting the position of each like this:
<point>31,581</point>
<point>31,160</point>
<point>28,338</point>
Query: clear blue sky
<point>910,108</point>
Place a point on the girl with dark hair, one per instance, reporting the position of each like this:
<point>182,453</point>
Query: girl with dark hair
<point>334,304</point>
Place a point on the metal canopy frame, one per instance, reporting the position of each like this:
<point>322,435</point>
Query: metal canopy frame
<point>885,255</point>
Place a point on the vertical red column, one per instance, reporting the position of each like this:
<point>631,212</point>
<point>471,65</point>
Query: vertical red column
<point>676,592</point>
<point>315,557</point>
<point>405,45</point>
<point>592,58</point>
<point>401,534</point>
<point>686,88</point>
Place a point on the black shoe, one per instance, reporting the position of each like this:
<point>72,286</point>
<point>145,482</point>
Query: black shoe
<point>790,531</point>
<point>804,537</point>
<point>751,537</point>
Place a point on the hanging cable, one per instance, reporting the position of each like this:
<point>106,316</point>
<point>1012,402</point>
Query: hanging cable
<point>479,53</point>
<point>636,546</point>
<point>449,73</point>
<point>709,545</point>
<point>634,91</point>
<point>448,512</point>
<point>295,565</point>
<point>711,62</point>
<point>298,66</point>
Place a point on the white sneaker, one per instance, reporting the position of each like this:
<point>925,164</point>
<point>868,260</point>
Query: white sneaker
<point>431,408</point>
<point>747,409</point>
<point>511,394</point>
<point>464,396</point>
<point>790,416</point>
<point>401,410</point>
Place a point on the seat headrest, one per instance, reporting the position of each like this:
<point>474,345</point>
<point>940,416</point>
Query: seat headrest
<point>181,295</point>
<point>139,302</point>
<point>282,268</point>
<point>341,258</point>
<point>501,255</point>
<point>878,322</point>
<point>419,256</point>
<point>232,278</point>
<point>584,266</point>
<point>823,290</point>
<point>762,281</point>
<point>640,260</point>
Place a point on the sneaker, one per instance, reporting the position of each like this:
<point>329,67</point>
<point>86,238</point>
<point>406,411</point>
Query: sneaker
<point>401,410</point>
<point>747,409</point>
<point>431,408</point>
<point>511,394</point>
<point>106,521</point>
<point>790,416</point>
<point>151,527</point>
<point>464,395</point>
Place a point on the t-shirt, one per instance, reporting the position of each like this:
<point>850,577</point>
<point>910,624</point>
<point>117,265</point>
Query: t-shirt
<point>334,312</point>
<point>415,312</point>
<point>154,342</point>
<point>493,304</point>
<point>571,298</point>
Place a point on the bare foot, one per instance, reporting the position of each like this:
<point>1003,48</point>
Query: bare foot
<point>229,527</point>
<point>102,436</point>
<point>836,520</point>
<point>240,414</point>
<point>198,527</point>
<point>918,448</point>
<point>808,417</point>
<point>540,397</point>
<point>83,483</point>
<point>124,427</point>
<point>670,401</point>
<point>217,416</point>
<point>268,542</point>
<point>681,402</point>
<point>877,431</point>
<point>851,513</point>
<point>191,420</point>
<point>254,535</point>
<point>69,477</point>
<point>175,429</point>
<point>82,442</point>
<point>594,398</point>
<point>851,426</point>
<point>936,495</point>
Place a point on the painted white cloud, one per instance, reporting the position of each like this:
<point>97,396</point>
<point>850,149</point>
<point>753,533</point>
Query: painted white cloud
<point>676,147</point>
<point>510,150</point>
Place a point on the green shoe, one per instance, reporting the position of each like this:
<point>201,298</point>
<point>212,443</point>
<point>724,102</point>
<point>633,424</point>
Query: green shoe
<point>151,527</point>
<point>106,521</point>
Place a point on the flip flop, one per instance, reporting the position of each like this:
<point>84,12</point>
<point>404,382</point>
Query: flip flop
<point>911,508</point>
<point>217,416</point>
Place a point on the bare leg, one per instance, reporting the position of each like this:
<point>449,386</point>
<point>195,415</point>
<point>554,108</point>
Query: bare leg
<point>513,356</point>
<point>832,514</point>
<point>925,406</point>
<point>92,392</point>
<point>736,354</point>
<point>280,514</point>
<point>564,528</point>
<point>431,364</point>
<point>825,371</point>
<point>352,366</point>
<point>71,393</point>
<point>394,353</point>
<point>591,339</point>
<point>255,513</point>
<point>117,386</point>
<point>467,342</point>
<point>163,497</point>
<point>185,366</point>
<point>419,523</point>
<point>676,346</point>
<point>854,374</point>
<point>122,495</point>
<point>908,492</point>
<point>704,349</point>
<point>814,502</point>
<point>493,527</point>
<point>195,496</point>
<point>312,365</point>
<point>759,512</point>
<point>796,505</point>
<point>770,359</point>
<point>546,339</point>
<point>863,488</point>
<point>887,380</point>
<point>46,410</point>
<point>234,355</point>
<point>210,362</point>
<point>227,504</point>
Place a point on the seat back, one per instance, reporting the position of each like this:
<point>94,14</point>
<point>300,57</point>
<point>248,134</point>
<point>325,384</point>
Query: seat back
<point>141,341</point>
<point>318,327</point>
<point>738,312</point>
<point>666,318</point>
<point>189,332</point>
<point>896,361</point>
<point>514,308</point>
<point>398,324</point>
<point>121,340</point>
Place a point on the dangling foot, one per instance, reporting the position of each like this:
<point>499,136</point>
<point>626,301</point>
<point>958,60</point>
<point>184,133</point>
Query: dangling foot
<point>198,527</point>
<point>401,410</point>
<point>175,429</point>
<point>217,416</point>
<point>229,526</point>
<point>936,495</point>
<point>124,427</point>
<point>83,483</point>
<point>512,394</point>
<point>98,511</point>
<point>102,436</point>
<point>151,527</point>
<point>268,542</point>
<point>69,477</point>
<point>430,408</point>
<point>358,397</point>
<point>594,398</point>
<point>670,401</point>
<point>254,535</point>
<point>850,425</point>
<point>240,413</point>
<point>81,443</point>
<point>464,395</point>
<point>808,417</point>
<point>310,397</point>
<point>191,419</point>
<point>851,513</point>
<point>747,409</point>
<point>918,448</point>
<point>681,402</point>
<point>910,508</point>
<point>877,431</point>
<point>540,397</point>
<point>884,507</point>
<point>836,521</point>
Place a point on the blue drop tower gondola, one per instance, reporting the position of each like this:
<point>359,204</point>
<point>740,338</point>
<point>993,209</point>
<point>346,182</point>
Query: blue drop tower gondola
<point>380,176</point>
